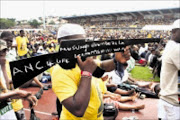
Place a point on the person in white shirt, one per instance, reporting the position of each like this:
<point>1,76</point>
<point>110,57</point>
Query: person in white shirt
<point>169,106</point>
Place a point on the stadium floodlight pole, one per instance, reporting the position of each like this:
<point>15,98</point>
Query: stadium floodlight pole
<point>44,17</point>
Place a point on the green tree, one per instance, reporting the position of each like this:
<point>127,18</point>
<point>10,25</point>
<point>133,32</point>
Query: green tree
<point>52,22</point>
<point>7,23</point>
<point>34,23</point>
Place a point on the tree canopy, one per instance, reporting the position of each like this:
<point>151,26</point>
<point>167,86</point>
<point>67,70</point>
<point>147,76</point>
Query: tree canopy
<point>52,22</point>
<point>7,23</point>
<point>34,23</point>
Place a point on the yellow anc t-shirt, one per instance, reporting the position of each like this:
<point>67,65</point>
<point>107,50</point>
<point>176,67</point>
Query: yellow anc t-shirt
<point>65,84</point>
<point>102,86</point>
<point>22,45</point>
<point>16,103</point>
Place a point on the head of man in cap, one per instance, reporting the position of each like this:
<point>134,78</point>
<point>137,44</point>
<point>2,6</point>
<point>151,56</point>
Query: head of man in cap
<point>71,31</point>
<point>176,31</point>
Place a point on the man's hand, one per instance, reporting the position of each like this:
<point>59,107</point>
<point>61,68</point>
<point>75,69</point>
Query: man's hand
<point>122,57</point>
<point>32,99</point>
<point>88,65</point>
<point>27,96</point>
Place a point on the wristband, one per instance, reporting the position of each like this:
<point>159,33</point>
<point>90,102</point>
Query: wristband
<point>86,73</point>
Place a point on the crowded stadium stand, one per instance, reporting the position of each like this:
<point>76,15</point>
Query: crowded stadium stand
<point>133,19</point>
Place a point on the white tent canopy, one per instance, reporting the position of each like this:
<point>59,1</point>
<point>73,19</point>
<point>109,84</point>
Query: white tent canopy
<point>157,27</point>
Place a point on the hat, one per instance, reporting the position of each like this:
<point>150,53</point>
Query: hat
<point>69,30</point>
<point>176,24</point>
<point>3,44</point>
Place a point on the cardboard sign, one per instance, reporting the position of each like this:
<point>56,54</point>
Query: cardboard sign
<point>26,69</point>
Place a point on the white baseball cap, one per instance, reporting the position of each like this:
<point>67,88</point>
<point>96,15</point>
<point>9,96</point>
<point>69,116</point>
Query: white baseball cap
<point>69,30</point>
<point>176,24</point>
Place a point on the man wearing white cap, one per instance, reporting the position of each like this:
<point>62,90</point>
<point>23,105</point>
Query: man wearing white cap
<point>76,88</point>
<point>169,106</point>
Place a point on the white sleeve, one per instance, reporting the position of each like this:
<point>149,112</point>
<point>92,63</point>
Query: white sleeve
<point>175,56</point>
<point>126,75</point>
<point>14,42</point>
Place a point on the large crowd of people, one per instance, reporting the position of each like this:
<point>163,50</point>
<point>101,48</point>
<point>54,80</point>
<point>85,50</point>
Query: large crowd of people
<point>80,93</point>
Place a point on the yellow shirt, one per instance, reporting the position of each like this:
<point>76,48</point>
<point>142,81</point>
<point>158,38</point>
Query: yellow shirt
<point>65,84</point>
<point>149,36</point>
<point>102,86</point>
<point>54,41</point>
<point>51,50</point>
<point>48,42</point>
<point>22,45</point>
<point>16,103</point>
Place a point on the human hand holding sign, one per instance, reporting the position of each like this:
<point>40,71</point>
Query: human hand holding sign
<point>87,65</point>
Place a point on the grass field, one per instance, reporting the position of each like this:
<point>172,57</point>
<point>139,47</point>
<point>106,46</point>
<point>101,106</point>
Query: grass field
<point>143,73</point>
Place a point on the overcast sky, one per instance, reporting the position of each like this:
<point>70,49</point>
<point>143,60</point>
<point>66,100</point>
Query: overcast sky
<point>34,9</point>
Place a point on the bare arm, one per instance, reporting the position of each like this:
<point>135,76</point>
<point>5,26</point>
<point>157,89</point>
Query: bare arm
<point>3,66</point>
<point>108,65</point>
<point>78,103</point>
<point>12,95</point>
<point>19,94</point>
<point>38,82</point>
